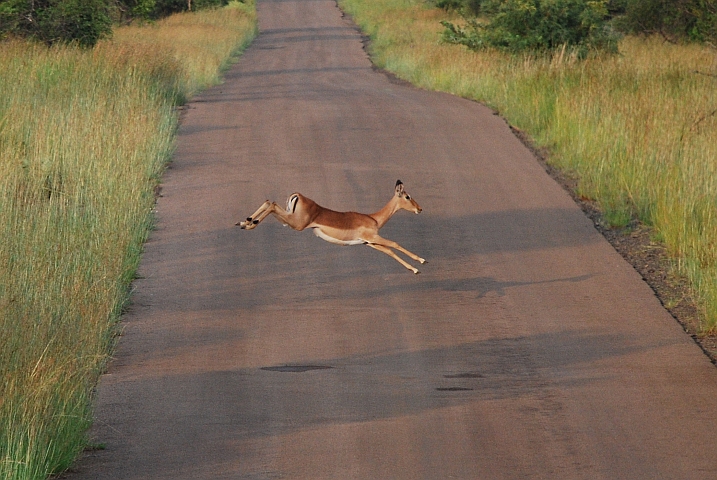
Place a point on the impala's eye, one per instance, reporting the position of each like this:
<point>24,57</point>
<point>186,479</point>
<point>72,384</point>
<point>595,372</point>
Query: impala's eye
<point>408,197</point>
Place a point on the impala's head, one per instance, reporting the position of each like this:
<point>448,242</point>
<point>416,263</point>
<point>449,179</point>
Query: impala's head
<point>404,199</point>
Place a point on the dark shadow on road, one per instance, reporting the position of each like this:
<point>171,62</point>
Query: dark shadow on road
<point>264,73</point>
<point>282,31</point>
<point>241,278</point>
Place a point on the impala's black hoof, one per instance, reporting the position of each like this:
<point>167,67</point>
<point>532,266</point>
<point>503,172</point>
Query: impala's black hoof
<point>248,219</point>
<point>255,222</point>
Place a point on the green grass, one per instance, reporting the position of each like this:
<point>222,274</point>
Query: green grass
<point>84,138</point>
<point>638,129</point>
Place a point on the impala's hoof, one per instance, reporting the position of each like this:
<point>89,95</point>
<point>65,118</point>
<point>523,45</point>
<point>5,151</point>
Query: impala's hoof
<point>423,260</point>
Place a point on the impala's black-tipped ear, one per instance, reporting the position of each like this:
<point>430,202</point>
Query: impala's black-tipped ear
<point>399,187</point>
<point>399,182</point>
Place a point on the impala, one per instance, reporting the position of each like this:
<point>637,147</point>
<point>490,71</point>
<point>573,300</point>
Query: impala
<point>342,228</point>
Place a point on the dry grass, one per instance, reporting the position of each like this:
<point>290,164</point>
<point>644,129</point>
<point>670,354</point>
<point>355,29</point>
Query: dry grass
<point>639,130</point>
<point>84,136</point>
<point>203,43</point>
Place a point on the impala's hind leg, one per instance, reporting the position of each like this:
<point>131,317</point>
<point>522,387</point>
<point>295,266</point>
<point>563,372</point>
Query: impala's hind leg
<point>297,222</point>
<point>253,221</point>
<point>390,253</point>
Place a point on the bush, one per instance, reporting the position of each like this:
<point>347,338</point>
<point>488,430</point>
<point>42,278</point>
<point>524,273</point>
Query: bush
<point>127,10</point>
<point>84,21</point>
<point>675,20</point>
<point>471,7</point>
<point>537,26</point>
<point>57,21</point>
<point>167,7</point>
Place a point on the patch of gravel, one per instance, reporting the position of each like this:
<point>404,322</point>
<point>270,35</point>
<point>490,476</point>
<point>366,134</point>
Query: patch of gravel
<point>649,258</point>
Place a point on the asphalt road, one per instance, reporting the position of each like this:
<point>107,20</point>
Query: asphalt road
<point>526,348</point>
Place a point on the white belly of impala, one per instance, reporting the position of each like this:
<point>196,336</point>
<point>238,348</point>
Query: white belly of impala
<point>323,236</point>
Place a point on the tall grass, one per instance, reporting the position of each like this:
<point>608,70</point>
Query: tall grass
<point>84,137</point>
<point>203,43</point>
<point>639,129</point>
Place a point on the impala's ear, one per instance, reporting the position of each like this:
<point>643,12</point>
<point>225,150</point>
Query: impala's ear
<point>399,187</point>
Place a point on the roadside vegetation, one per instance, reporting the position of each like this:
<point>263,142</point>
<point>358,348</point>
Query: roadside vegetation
<point>638,129</point>
<point>85,134</point>
<point>85,22</point>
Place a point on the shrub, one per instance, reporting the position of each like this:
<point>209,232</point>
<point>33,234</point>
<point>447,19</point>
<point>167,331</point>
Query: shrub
<point>167,7</point>
<point>471,7</point>
<point>57,21</point>
<point>673,19</point>
<point>127,10</point>
<point>84,21</point>
<point>537,26</point>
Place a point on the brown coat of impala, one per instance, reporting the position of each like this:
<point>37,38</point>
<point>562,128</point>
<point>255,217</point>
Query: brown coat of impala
<point>341,228</point>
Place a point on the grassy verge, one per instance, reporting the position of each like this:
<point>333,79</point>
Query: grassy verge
<point>638,130</point>
<point>84,137</point>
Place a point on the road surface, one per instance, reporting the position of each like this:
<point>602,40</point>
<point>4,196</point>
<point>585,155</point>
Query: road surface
<point>526,348</point>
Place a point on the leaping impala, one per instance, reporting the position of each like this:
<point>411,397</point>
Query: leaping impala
<point>342,228</point>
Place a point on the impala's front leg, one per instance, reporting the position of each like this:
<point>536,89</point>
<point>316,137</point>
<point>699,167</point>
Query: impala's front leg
<point>410,254</point>
<point>390,253</point>
<point>378,240</point>
<point>253,221</point>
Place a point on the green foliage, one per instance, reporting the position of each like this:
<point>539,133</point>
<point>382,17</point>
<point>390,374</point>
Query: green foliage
<point>84,21</point>
<point>167,7</point>
<point>136,9</point>
<point>57,21</point>
<point>673,19</point>
<point>537,26</point>
<point>471,7</point>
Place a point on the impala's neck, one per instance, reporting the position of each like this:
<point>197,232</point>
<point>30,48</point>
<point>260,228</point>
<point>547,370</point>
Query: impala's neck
<point>383,215</point>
